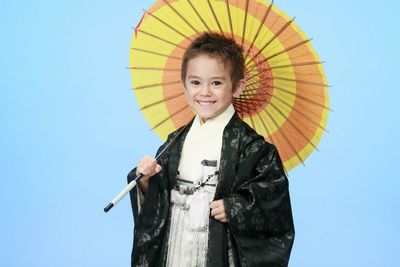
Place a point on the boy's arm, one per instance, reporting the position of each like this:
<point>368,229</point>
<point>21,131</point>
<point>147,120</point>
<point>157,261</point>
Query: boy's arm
<point>259,211</point>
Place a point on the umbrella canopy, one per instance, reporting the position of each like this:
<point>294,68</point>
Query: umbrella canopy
<point>286,94</point>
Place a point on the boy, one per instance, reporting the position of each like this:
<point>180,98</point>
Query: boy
<point>219,197</point>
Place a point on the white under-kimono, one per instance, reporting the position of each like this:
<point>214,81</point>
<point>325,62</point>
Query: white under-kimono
<point>196,184</point>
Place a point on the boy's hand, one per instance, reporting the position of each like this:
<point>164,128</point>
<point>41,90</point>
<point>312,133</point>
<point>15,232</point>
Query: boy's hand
<point>148,167</point>
<point>218,210</point>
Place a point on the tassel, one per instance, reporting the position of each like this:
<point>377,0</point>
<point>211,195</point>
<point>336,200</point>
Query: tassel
<point>199,212</point>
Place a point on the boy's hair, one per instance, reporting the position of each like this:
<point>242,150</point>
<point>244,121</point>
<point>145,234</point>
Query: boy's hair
<point>219,47</point>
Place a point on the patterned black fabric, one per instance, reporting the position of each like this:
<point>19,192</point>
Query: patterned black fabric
<point>254,187</point>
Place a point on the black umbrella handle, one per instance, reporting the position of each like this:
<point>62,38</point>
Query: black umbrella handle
<point>133,183</point>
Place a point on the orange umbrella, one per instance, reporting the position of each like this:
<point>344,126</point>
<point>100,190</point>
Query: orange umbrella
<point>286,96</point>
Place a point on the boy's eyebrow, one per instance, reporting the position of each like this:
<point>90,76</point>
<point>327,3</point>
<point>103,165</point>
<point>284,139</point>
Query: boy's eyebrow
<point>214,77</point>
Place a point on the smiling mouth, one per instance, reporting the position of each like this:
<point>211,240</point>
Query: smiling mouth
<point>205,103</point>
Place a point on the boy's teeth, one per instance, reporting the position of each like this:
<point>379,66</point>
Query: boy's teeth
<point>205,102</point>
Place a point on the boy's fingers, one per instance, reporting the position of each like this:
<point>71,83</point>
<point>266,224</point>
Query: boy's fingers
<point>221,217</point>
<point>216,203</point>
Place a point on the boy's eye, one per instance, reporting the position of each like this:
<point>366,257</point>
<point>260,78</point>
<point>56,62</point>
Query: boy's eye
<point>195,82</point>
<point>216,83</point>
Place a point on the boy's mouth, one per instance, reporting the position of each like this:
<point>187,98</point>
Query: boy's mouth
<point>205,103</point>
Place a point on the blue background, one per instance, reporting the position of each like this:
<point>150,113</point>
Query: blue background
<point>71,130</point>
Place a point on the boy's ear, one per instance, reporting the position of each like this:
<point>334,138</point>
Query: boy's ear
<point>239,88</point>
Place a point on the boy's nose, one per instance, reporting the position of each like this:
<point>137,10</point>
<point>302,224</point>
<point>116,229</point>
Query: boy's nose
<point>205,90</point>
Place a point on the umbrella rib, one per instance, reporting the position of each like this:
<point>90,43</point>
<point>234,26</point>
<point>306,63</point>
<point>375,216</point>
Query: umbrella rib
<point>278,53</point>
<point>246,94</point>
<point>215,16</point>
<point>297,81</point>
<point>245,22</point>
<point>198,15</point>
<point>294,108</point>
<point>161,101</point>
<point>155,85</point>
<point>299,112</point>
<point>169,117</point>
<point>160,38</point>
<point>229,17</point>
<point>151,68</point>
<point>275,142</point>
<point>244,107</point>
<point>259,28</point>
<point>293,125</point>
<point>295,95</point>
<point>250,86</point>
<point>169,26</point>
<point>284,136</point>
<point>252,94</point>
<point>300,64</point>
<point>276,35</point>
<point>242,99</point>
<point>179,15</point>
<point>155,53</point>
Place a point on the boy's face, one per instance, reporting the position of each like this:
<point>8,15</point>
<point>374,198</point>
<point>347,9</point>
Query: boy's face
<point>209,90</point>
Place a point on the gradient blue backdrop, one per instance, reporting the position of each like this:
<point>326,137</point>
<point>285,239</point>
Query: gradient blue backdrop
<point>70,132</point>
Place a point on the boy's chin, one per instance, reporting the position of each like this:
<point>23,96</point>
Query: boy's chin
<point>206,117</point>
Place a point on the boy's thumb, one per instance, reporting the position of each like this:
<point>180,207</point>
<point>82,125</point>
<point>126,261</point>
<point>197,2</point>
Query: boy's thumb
<point>158,168</point>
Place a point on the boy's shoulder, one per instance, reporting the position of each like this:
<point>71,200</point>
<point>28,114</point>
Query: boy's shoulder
<point>245,134</point>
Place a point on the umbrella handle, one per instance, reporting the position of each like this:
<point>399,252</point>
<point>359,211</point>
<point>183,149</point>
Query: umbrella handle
<point>132,184</point>
<point>124,191</point>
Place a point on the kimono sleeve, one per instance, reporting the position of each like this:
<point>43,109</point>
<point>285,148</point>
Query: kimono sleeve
<point>259,210</point>
<point>136,195</point>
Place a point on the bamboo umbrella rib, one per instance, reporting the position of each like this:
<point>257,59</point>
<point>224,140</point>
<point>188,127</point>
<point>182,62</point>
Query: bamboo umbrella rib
<point>160,38</point>
<point>279,53</point>
<point>238,108</point>
<point>182,17</point>
<point>169,117</point>
<point>288,49</point>
<point>161,101</point>
<point>259,29</point>
<point>302,97</point>
<point>155,69</point>
<point>249,105</point>
<point>244,107</point>
<point>253,83</point>
<point>245,22</point>
<point>228,10</point>
<point>253,94</point>
<point>300,64</point>
<point>199,16</point>
<point>293,107</point>
<point>285,137</point>
<point>155,85</point>
<point>215,16</point>
<point>169,26</point>
<point>251,86</point>
<point>155,53</point>
<point>291,93</point>
<point>273,140</point>
<point>276,35</point>
<point>297,81</point>
<point>245,100</point>
<point>303,114</point>
<point>293,125</point>
<point>245,94</point>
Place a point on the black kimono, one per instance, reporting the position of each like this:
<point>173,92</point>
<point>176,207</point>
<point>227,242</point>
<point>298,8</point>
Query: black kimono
<point>254,187</point>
